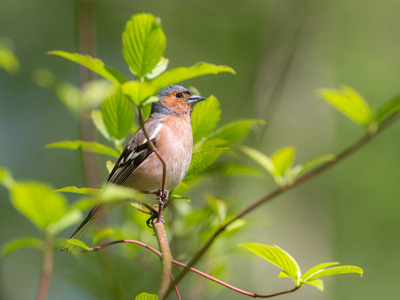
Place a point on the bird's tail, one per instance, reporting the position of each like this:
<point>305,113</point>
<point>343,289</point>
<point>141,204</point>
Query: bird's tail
<point>96,213</point>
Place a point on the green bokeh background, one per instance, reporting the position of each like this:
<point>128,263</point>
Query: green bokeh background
<point>349,214</point>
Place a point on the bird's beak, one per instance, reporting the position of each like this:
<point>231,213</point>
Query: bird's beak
<point>195,99</point>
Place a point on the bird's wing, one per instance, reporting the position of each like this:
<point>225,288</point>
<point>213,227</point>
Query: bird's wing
<point>135,152</point>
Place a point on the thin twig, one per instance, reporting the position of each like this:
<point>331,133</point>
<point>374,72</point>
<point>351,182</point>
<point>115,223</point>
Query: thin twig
<point>205,275</point>
<point>347,152</point>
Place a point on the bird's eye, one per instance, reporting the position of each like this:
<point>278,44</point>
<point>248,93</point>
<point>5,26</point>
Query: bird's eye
<point>178,95</point>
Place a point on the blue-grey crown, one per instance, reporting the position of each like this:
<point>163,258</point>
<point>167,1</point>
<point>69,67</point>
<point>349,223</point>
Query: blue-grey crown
<point>168,89</point>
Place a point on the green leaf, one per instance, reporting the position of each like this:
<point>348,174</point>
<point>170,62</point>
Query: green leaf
<point>302,168</point>
<point>348,102</point>
<point>317,283</point>
<point>316,268</point>
<point>84,146</point>
<point>98,121</point>
<point>260,158</point>
<point>20,243</point>
<point>219,207</point>
<point>70,96</point>
<point>38,203</point>
<point>6,178</point>
<point>94,64</point>
<point>335,271</point>
<point>201,160</point>
<point>8,60</point>
<point>74,189</point>
<point>183,73</point>
<point>138,92</point>
<point>143,43</point>
<point>205,118</point>
<point>70,218</point>
<point>388,109</point>
<point>146,296</point>
<point>282,160</point>
<point>114,192</point>
<point>229,134</point>
<point>118,115</point>
<point>158,69</point>
<point>101,235</point>
<point>277,257</point>
<point>94,92</point>
<point>72,243</point>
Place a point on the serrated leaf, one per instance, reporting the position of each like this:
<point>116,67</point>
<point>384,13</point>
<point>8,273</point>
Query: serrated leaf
<point>118,115</point>
<point>335,271</point>
<point>183,73</point>
<point>219,207</point>
<point>74,189</point>
<point>260,158</point>
<point>38,203</point>
<point>20,243</point>
<point>143,43</point>
<point>201,160</point>
<point>97,118</point>
<point>146,296</point>
<point>348,102</point>
<point>278,257</point>
<point>388,109</point>
<point>72,243</point>
<point>303,168</point>
<point>317,283</point>
<point>158,69</point>
<point>316,268</point>
<point>205,118</point>
<point>282,160</point>
<point>229,134</point>
<point>93,64</point>
<point>70,218</point>
<point>84,146</point>
<point>138,92</point>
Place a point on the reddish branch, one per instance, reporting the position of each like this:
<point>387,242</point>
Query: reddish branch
<point>205,275</point>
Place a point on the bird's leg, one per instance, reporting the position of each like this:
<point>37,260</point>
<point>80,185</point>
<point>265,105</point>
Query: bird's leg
<point>161,197</point>
<point>153,215</point>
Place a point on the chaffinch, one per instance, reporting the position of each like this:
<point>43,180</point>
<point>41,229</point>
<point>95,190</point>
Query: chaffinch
<point>169,128</point>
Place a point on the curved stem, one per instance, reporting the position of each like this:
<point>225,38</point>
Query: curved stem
<point>205,275</point>
<point>344,154</point>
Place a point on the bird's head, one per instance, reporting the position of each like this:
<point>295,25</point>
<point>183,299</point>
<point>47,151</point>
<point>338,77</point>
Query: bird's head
<point>175,98</point>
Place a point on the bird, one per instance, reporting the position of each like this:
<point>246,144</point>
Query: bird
<point>169,129</point>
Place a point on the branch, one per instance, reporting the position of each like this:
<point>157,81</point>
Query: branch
<point>205,275</point>
<point>166,258</point>
<point>347,152</point>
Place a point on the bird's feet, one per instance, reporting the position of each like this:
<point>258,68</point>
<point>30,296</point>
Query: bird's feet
<point>154,214</point>
<point>162,197</point>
